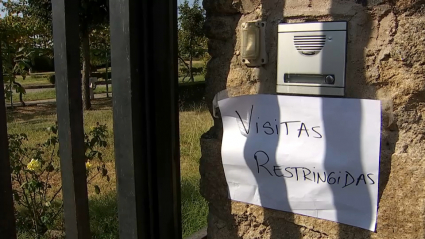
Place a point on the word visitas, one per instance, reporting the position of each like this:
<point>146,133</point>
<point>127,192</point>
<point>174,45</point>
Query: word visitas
<point>274,127</point>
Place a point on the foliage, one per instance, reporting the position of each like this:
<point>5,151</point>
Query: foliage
<point>191,21</point>
<point>92,12</point>
<point>33,169</point>
<point>100,46</point>
<point>205,59</point>
<point>52,79</point>
<point>22,36</point>
<point>195,71</point>
<point>192,40</point>
<point>26,28</point>
<point>194,119</point>
<point>94,15</point>
<point>18,65</point>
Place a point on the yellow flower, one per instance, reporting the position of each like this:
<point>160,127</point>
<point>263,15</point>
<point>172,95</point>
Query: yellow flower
<point>92,128</point>
<point>34,165</point>
<point>88,165</point>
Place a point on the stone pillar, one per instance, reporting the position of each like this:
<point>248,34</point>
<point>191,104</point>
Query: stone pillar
<point>386,61</point>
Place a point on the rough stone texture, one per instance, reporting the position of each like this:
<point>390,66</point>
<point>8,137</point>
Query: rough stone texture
<point>386,61</point>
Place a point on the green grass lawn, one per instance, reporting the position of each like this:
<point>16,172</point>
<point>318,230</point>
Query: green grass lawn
<point>34,79</point>
<point>46,94</point>
<point>33,121</point>
<point>197,78</point>
<point>42,79</point>
<point>197,64</point>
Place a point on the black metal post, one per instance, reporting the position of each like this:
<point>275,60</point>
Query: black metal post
<point>70,117</point>
<point>130,144</point>
<point>106,73</point>
<point>145,99</point>
<point>161,37</point>
<point>7,213</point>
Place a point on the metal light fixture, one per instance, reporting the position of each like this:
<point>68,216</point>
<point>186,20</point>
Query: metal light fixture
<point>253,44</point>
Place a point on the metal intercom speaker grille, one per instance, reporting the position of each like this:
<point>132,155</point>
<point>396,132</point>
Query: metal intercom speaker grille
<point>309,44</point>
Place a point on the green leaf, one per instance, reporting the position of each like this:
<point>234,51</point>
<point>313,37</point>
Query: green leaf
<point>104,172</point>
<point>8,94</point>
<point>92,154</point>
<point>53,140</point>
<point>40,185</point>
<point>50,168</point>
<point>20,89</point>
<point>97,189</point>
<point>16,196</point>
<point>17,168</point>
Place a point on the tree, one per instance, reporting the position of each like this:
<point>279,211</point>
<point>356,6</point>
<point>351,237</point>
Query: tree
<point>100,51</point>
<point>100,45</point>
<point>192,41</point>
<point>18,34</point>
<point>93,14</point>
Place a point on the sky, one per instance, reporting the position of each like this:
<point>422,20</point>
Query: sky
<point>190,2</point>
<point>1,11</point>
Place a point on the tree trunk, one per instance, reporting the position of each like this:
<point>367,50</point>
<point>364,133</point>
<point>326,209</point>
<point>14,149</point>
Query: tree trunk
<point>190,69</point>
<point>11,94</point>
<point>86,68</point>
<point>186,65</point>
<point>106,74</point>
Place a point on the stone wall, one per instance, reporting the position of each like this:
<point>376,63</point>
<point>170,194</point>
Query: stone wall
<point>386,61</point>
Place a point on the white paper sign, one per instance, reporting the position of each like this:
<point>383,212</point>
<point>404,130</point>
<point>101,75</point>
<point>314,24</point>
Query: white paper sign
<point>308,155</point>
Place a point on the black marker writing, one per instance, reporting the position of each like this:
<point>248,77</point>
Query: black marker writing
<point>346,179</point>
<point>286,125</point>
<point>258,166</point>
<point>249,122</point>
<point>302,127</point>
<point>314,130</point>
<point>368,175</point>
<point>272,127</point>
<point>268,126</point>
<point>262,160</point>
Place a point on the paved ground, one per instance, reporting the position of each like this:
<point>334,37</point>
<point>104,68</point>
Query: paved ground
<point>51,101</point>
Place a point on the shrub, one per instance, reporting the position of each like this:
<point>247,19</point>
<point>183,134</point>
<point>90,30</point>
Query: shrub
<point>40,76</point>
<point>32,169</point>
<point>183,71</point>
<point>52,79</point>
